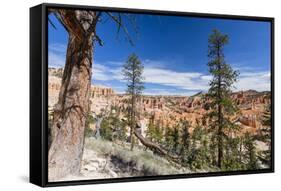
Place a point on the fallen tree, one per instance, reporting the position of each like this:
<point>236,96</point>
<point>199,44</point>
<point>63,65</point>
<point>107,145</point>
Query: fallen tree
<point>154,146</point>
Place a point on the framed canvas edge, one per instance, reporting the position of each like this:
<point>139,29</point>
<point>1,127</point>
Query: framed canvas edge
<point>44,53</point>
<point>36,166</point>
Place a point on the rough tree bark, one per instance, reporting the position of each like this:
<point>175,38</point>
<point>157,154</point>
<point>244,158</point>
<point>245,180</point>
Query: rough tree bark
<point>70,112</point>
<point>132,129</point>
<point>220,133</point>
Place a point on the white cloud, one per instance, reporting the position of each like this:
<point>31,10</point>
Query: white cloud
<point>57,47</point>
<point>192,82</point>
<point>182,80</point>
<point>168,92</point>
<point>254,78</point>
<point>119,89</point>
<point>99,72</point>
<point>56,55</point>
<point>154,72</point>
<point>259,81</point>
<point>104,73</point>
<point>55,60</point>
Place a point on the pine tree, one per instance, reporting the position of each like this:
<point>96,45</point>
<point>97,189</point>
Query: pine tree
<point>155,132</point>
<point>250,153</point>
<point>185,137</point>
<point>233,154</point>
<point>132,72</point>
<point>150,130</point>
<point>265,135</point>
<point>119,128</point>
<point>199,152</point>
<point>158,134</point>
<point>175,139</point>
<point>219,92</point>
<point>168,139</point>
<point>72,108</point>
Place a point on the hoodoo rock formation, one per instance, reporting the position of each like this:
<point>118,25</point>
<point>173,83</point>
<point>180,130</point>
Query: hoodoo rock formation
<point>99,95</point>
<point>167,111</point>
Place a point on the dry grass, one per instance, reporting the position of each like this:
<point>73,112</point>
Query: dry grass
<point>143,160</point>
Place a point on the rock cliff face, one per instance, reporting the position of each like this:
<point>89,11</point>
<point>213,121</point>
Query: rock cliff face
<point>99,95</point>
<point>167,111</point>
<point>97,91</point>
<point>55,72</point>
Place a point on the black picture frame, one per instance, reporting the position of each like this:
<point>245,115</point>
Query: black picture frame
<point>39,94</point>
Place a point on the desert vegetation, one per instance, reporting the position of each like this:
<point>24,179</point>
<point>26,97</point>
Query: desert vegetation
<point>133,134</point>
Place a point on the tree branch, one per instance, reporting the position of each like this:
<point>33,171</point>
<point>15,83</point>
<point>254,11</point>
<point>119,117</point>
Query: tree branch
<point>120,25</point>
<point>154,146</point>
<point>52,24</point>
<point>69,20</point>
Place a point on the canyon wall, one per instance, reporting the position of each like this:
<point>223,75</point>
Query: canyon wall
<point>167,111</point>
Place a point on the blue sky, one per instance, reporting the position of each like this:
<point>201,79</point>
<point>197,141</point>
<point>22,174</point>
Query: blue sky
<point>173,50</point>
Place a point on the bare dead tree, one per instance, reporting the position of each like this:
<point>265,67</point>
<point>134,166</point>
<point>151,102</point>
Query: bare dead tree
<point>153,146</point>
<point>73,105</point>
<point>65,153</point>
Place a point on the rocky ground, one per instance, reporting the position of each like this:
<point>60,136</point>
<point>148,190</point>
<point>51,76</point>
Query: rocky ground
<point>94,166</point>
<point>104,159</point>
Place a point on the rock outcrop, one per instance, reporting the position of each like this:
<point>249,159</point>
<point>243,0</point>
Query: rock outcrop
<point>167,111</point>
<point>99,95</point>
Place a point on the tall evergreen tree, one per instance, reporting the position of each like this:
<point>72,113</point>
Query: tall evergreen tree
<point>250,152</point>
<point>169,139</point>
<point>175,139</point>
<point>185,137</point>
<point>233,155</point>
<point>265,135</point>
<point>155,133</point>
<point>132,72</point>
<point>219,93</point>
<point>198,156</point>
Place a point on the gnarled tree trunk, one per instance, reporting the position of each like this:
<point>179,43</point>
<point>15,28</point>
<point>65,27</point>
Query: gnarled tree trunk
<point>70,112</point>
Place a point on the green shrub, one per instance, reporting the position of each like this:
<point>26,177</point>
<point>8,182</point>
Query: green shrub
<point>143,160</point>
<point>89,132</point>
<point>105,129</point>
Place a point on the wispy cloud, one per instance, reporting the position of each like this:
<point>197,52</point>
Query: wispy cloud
<point>57,47</point>
<point>56,55</point>
<point>255,78</point>
<point>102,72</point>
<point>55,60</point>
<point>168,92</point>
<point>191,82</point>
<point>155,74</point>
<point>259,81</point>
<point>182,82</point>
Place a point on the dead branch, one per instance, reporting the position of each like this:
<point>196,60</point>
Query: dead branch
<point>120,25</point>
<point>156,147</point>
